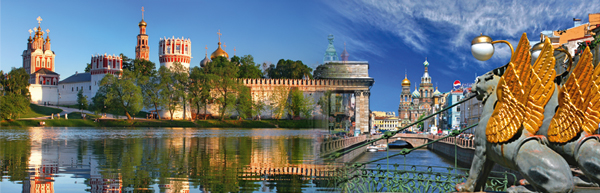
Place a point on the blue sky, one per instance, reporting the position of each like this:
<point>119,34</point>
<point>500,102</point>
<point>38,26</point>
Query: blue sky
<point>393,36</point>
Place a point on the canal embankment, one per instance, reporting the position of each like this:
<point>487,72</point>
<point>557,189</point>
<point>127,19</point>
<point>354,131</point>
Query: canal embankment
<point>212,123</point>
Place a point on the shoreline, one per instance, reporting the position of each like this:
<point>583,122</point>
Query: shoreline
<point>211,123</point>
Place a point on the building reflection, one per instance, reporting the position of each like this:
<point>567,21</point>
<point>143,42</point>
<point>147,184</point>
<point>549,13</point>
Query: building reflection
<point>171,163</point>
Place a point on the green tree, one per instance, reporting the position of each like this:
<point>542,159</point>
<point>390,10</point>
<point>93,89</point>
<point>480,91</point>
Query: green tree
<point>244,102</point>
<point>279,101</point>
<point>14,97</point>
<point>143,67</point>
<point>99,104</point>
<point>300,105</point>
<point>168,90</point>
<point>199,89</point>
<point>82,100</point>
<point>224,82</point>
<point>122,93</point>
<point>259,104</point>
<point>150,87</point>
<point>127,63</point>
<point>181,77</point>
<point>88,67</point>
<point>324,103</point>
<point>420,125</point>
<point>289,69</point>
<point>249,69</point>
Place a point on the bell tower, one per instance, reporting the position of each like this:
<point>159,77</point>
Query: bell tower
<point>142,51</point>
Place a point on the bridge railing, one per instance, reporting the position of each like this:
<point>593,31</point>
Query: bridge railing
<point>335,145</point>
<point>460,142</point>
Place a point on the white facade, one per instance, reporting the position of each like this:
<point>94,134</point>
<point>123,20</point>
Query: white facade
<point>43,94</point>
<point>67,92</point>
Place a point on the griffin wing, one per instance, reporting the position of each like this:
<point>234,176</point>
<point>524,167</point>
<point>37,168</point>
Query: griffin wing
<point>541,88</point>
<point>592,97</point>
<point>569,119</point>
<point>509,112</point>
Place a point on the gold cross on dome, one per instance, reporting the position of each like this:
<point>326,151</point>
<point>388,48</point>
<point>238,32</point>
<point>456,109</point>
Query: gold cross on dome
<point>234,50</point>
<point>48,31</point>
<point>30,32</point>
<point>142,12</point>
<point>206,48</point>
<point>39,20</point>
<point>219,33</point>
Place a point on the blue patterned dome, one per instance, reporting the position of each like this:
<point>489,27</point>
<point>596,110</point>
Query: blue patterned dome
<point>416,94</point>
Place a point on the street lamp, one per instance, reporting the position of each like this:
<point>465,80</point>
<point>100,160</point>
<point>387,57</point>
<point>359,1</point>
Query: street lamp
<point>482,47</point>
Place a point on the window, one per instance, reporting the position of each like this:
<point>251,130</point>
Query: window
<point>178,49</point>
<point>72,89</point>
<point>37,63</point>
<point>90,87</point>
<point>77,88</point>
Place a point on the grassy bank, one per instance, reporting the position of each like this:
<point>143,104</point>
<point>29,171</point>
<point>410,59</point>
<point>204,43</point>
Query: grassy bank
<point>39,111</point>
<point>76,121</point>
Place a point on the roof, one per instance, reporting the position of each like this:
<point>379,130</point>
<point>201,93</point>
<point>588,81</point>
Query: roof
<point>78,77</point>
<point>45,71</point>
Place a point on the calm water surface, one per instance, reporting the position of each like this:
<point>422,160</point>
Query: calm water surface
<point>175,160</point>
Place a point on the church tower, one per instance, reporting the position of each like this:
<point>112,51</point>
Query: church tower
<point>330,53</point>
<point>426,87</point>
<point>142,51</point>
<point>175,50</point>
<point>38,58</point>
<point>405,99</point>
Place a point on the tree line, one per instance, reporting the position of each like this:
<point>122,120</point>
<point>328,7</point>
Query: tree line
<point>218,83</point>
<point>141,85</point>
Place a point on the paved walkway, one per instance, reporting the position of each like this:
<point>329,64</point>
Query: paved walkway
<point>67,110</point>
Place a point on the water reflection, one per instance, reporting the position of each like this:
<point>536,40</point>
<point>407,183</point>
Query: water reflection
<point>173,160</point>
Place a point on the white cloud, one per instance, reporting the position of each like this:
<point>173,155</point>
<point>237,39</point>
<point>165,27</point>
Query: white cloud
<point>417,22</point>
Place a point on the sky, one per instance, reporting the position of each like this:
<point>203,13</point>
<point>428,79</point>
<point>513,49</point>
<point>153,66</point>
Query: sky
<point>393,36</point>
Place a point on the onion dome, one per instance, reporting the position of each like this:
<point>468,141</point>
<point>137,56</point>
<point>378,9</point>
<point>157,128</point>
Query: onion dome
<point>219,52</point>
<point>142,23</point>
<point>437,92</point>
<point>405,82</point>
<point>205,61</point>
<point>426,64</point>
<point>416,93</point>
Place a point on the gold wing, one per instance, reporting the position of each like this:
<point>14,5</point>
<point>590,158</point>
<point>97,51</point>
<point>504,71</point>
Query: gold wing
<point>509,112</point>
<point>541,88</point>
<point>592,96</point>
<point>568,120</point>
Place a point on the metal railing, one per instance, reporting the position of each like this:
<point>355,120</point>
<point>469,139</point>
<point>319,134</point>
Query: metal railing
<point>460,142</point>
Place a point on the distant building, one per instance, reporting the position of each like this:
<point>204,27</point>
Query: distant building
<point>580,32</point>
<point>387,123</point>
<point>384,114</point>
<point>420,102</point>
<point>453,114</point>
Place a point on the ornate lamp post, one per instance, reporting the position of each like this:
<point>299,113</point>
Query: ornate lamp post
<point>482,47</point>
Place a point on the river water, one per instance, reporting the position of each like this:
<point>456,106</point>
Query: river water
<point>169,160</point>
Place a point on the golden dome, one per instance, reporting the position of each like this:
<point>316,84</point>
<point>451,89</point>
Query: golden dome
<point>219,52</point>
<point>405,82</point>
<point>142,23</point>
